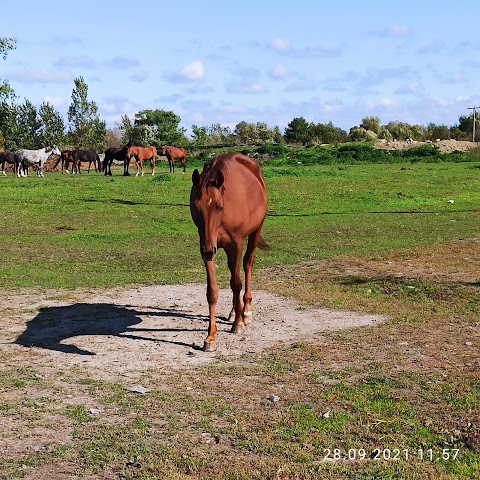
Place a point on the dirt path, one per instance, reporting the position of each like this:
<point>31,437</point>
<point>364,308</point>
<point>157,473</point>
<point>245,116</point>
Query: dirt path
<point>125,332</point>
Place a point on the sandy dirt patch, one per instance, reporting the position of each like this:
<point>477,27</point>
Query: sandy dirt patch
<point>124,332</point>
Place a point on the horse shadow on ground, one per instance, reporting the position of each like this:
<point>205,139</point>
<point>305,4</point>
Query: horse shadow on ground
<point>53,325</point>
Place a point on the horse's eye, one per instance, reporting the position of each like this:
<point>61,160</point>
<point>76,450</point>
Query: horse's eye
<point>219,208</point>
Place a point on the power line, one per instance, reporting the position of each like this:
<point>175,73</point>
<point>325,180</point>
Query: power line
<point>474,117</point>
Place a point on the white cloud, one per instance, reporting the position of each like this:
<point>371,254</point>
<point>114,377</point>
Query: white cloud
<point>57,102</point>
<point>280,71</point>
<point>41,75</point>
<point>394,30</point>
<point>139,76</point>
<point>280,44</point>
<point>249,88</point>
<point>193,72</point>
<point>122,62</point>
<point>74,61</point>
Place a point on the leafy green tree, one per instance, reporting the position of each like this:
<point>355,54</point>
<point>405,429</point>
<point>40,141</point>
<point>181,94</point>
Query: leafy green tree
<point>142,135</point>
<point>8,126</point>
<point>7,94</point>
<point>28,124</point>
<point>52,130</point>
<point>324,133</point>
<point>372,124</point>
<point>465,125</point>
<point>219,135</point>
<point>433,132</point>
<point>125,127</point>
<point>87,131</point>
<point>247,133</point>
<point>400,130</point>
<point>277,136</point>
<point>6,44</point>
<point>200,135</point>
<point>296,131</point>
<point>360,134</point>
<point>164,125</point>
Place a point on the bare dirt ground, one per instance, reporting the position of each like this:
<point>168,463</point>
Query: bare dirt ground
<point>125,332</point>
<point>445,146</point>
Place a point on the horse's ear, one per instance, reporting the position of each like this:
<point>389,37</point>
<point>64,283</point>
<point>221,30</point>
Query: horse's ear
<point>219,179</point>
<point>196,178</point>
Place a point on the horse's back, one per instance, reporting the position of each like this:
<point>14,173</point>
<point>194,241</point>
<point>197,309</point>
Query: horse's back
<point>175,152</point>
<point>245,197</point>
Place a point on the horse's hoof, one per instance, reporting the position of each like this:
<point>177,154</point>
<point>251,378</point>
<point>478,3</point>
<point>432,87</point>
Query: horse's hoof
<point>209,347</point>
<point>247,317</point>
<point>237,328</point>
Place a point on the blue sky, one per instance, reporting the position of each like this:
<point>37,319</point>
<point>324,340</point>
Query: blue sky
<point>226,62</point>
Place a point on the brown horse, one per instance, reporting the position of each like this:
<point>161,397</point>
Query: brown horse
<point>7,157</point>
<point>228,203</point>
<point>175,153</point>
<point>141,154</point>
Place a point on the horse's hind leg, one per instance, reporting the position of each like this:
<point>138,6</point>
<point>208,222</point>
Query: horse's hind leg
<point>248,259</point>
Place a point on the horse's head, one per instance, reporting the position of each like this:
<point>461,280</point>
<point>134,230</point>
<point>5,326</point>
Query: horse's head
<point>206,207</point>
<point>55,150</point>
<point>129,151</point>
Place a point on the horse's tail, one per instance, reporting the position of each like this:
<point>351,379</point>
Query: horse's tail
<point>263,245</point>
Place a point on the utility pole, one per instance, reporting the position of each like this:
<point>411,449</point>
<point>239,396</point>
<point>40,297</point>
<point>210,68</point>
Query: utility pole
<point>474,117</point>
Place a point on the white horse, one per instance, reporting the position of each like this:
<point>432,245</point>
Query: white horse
<point>28,158</point>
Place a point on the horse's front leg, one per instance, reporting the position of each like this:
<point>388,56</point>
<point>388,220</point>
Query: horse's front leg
<point>212,297</point>
<point>234,255</point>
<point>126,164</point>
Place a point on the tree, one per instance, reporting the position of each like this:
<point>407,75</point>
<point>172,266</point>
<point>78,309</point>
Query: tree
<point>296,131</point>
<point>247,133</point>
<point>8,126</point>
<point>465,124</point>
<point>87,131</point>
<point>28,126</point>
<point>360,134</point>
<point>200,135</point>
<point>164,126</point>
<point>371,123</point>
<point>6,44</point>
<point>324,133</point>
<point>433,132</point>
<point>52,130</point>
<point>219,135</point>
<point>7,93</point>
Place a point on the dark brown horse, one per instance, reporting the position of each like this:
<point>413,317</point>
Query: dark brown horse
<point>66,157</point>
<point>228,203</point>
<point>90,156</point>
<point>141,154</point>
<point>7,157</point>
<point>112,154</point>
<point>175,153</point>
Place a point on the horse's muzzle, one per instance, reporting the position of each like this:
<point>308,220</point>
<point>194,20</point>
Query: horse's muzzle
<point>208,255</point>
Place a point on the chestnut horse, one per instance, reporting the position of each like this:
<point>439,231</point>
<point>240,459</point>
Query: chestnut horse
<point>141,154</point>
<point>175,153</point>
<point>228,202</point>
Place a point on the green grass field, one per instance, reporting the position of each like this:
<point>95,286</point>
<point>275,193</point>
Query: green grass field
<point>398,400</point>
<point>91,230</point>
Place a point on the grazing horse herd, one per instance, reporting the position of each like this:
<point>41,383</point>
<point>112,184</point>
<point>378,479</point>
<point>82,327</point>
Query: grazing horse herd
<point>228,204</point>
<point>23,159</point>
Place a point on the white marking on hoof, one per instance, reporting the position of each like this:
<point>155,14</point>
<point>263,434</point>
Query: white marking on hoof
<point>247,317</point>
